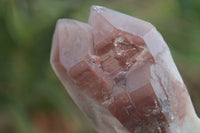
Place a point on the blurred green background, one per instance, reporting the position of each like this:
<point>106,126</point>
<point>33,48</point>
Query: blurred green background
<point>32,99</point>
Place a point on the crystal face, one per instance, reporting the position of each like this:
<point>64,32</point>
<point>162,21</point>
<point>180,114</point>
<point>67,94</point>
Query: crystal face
<point>119,71</point>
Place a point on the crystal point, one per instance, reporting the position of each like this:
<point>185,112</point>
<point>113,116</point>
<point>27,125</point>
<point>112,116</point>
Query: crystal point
<point>119,71</point>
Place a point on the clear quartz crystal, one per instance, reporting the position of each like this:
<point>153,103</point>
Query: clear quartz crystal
<point>119,71</point>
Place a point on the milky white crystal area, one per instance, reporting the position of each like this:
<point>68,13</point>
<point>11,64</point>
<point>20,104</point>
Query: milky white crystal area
<point>119,71</point>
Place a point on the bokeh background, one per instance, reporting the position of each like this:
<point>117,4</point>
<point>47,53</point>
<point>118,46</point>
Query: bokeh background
<point>32,99</point>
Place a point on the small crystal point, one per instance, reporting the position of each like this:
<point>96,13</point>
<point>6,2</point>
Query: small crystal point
<point>119,71</point>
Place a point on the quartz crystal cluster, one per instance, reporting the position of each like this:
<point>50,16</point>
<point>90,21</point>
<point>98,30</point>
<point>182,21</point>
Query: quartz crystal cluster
<point>119,71</point>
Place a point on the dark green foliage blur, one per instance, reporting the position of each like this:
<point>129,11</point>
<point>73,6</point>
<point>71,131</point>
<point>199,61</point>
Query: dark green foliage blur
<point>32,99</point>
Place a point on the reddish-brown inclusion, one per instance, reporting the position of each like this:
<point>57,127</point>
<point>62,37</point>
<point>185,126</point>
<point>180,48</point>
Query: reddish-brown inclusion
<point>137,110</point>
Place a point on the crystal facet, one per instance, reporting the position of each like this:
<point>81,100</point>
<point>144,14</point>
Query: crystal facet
<point>119,71</point>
